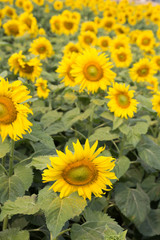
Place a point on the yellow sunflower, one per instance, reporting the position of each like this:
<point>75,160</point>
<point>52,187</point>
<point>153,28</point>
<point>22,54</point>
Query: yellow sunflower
<point>15,61</point>
<point>14,28</point>
<point>42,89</point>
<point>142,70</point>
<point>133,35</point>
<point>13,114</point>
<point>42,47</point>
<point>69,25</point>
<point>56,24</point>
<point>65,68</point>
<point>30,22</point>
<point>158,33</point>
<point>92,70</point>
<point>152,84</point>
<point>58,5</point>
<point>104,42</point>
<point>156,103</point>
<point>30,69</point>
<point>145,40</point>
<point>82,171</point>
<point>108,23</point>
<point>87,39</point>
<point>28,6</point>
<point>132,20</point>
<point>89,26</point>
<point>156,61</point>
<point>72,47</point>
<point>121,41</point>
<point>122,57</point>
<point>121,101</point>
<point>39,2</point>
<point>9,12</point>
<point>120,29</point>
<point>19,3</point>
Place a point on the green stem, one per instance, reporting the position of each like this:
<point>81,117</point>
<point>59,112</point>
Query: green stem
<point>61,233</point>
<point>11,158</point>
<point>108,199</point>
<point>3,161</point>
<point>76,131</point>
<point>5,223</point>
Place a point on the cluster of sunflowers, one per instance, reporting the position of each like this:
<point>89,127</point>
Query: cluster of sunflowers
<point>118,40</point>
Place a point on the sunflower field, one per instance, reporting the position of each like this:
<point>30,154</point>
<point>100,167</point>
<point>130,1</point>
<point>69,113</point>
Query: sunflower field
<point>79,120</point>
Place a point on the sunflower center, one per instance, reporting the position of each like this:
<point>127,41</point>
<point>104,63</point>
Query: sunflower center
<point>93,71</point>
<point>123,100</point>
<point>146,41</point>
<point>74,49</point>
<point>14,30</point>
<point>27,68</point>
<point>89,28</point>
<point>8,113</point>
<point>119,45</point>
<point>80,173</point>
<point>88,40</point>
<point>143,72</point>
<point>158,62</point>
<point>108,24</point>
<point>105,43</point>
<point>122,57</point>
<point>28,22</point>
<point>68,25</point>
<point>42,49</point>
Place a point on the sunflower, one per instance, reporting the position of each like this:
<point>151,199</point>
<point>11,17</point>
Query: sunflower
<point>42,90</point>
<point>120,29</point>
<point>42,47</point>
<point>69,25</point>
<point>72,47</point>
<point>145,40</point>
<point>121,101</point>
<point>156,102</point>
<point>122,57</point>
<point>82,171</point>
<point>92,70</point>
<point>132,20</point>
<point>19,3</point>
<point>14,28</point>
<point>142,70</point>
<point>156,61</point>
<point>28,6</point>
<point>41,31</point>
<point>104,42</point>
<point>152,84</point>
<point>15,61</point>
<point>87,39</point>
<point>89,26</point>
<point>76,16</point>
<point>121,18</point>
<point>158,33</point>
<point>30,23</point>
<point>56,24</point>
<point>108,23</point>
<point>30,69</point>
<point>39,2</point>
<point>58,5</point>
<point>65,68</point>
<point>10,12</point>
<point>133,35</point>
<point>121,41</point>
<point>13,114</point>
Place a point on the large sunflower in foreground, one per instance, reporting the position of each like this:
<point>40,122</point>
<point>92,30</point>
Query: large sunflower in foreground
<point>13,114</point>
<point>92,70</point>
<point>121,101</point>
<point>81,171</point>
<point>156,103</point>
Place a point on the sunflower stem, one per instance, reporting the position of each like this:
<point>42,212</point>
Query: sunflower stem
<point>3,161</point>
<point>5,223</point>
<point>66,230</point>
<point>11,158</point>
<point>107,200</point>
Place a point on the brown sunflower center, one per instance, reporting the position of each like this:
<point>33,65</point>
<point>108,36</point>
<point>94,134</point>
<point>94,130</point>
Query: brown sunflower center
<point>42,49</point>
<point>108,24</point>
<point>80,173</point>
<point>27,68</point>
<point>123,100</point>
<point>68,25</point>
<point>9,12</point>
<point>74,49</point>
<point>146,41</point>
<point>13,29</point>
<point>158,62</point>
<point>119,45</point>
<point>88,40</point>
<point>8,113</point>
<point>104,43</point>
<point>43,87</point>
<point>122,57</point>
<point>89,28</point>
<point>93,71</point>
<point>143,71</point>
<point>28,22</point>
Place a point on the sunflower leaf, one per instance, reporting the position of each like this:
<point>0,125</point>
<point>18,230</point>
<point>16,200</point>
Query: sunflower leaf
<point>57,211</point>
<point>22,205</point>
<point>14,234</point>
<point>4,148</point>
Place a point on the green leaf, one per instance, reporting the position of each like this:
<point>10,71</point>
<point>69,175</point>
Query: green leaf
<point>133,138</point>
<point>101,218</point>
<point>145,102</point>
<point>117,122</point>
<point>70,117</point>
<point>4,148</point>
<point>151,187</point>
<point>57,211</point>
<point>98,102</point>
<point>37,136</point>
<point>112,235</point>
<point>55,128</point>
<point>103,134</point>
<point>4,73</point>
<point>16,185</point>
<point>40,162</point>
<point>133,203</point>
<point>149,152</point>
<point>124,128</point>
<point>107,115</point>
<point>22,205</point>
<point>121,166</point>
<point>151,226</point>
<point>14,234</point>
<point>50,117</point>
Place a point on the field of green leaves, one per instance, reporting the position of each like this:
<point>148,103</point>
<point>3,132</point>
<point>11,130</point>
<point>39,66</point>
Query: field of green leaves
<point>79,120</point>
